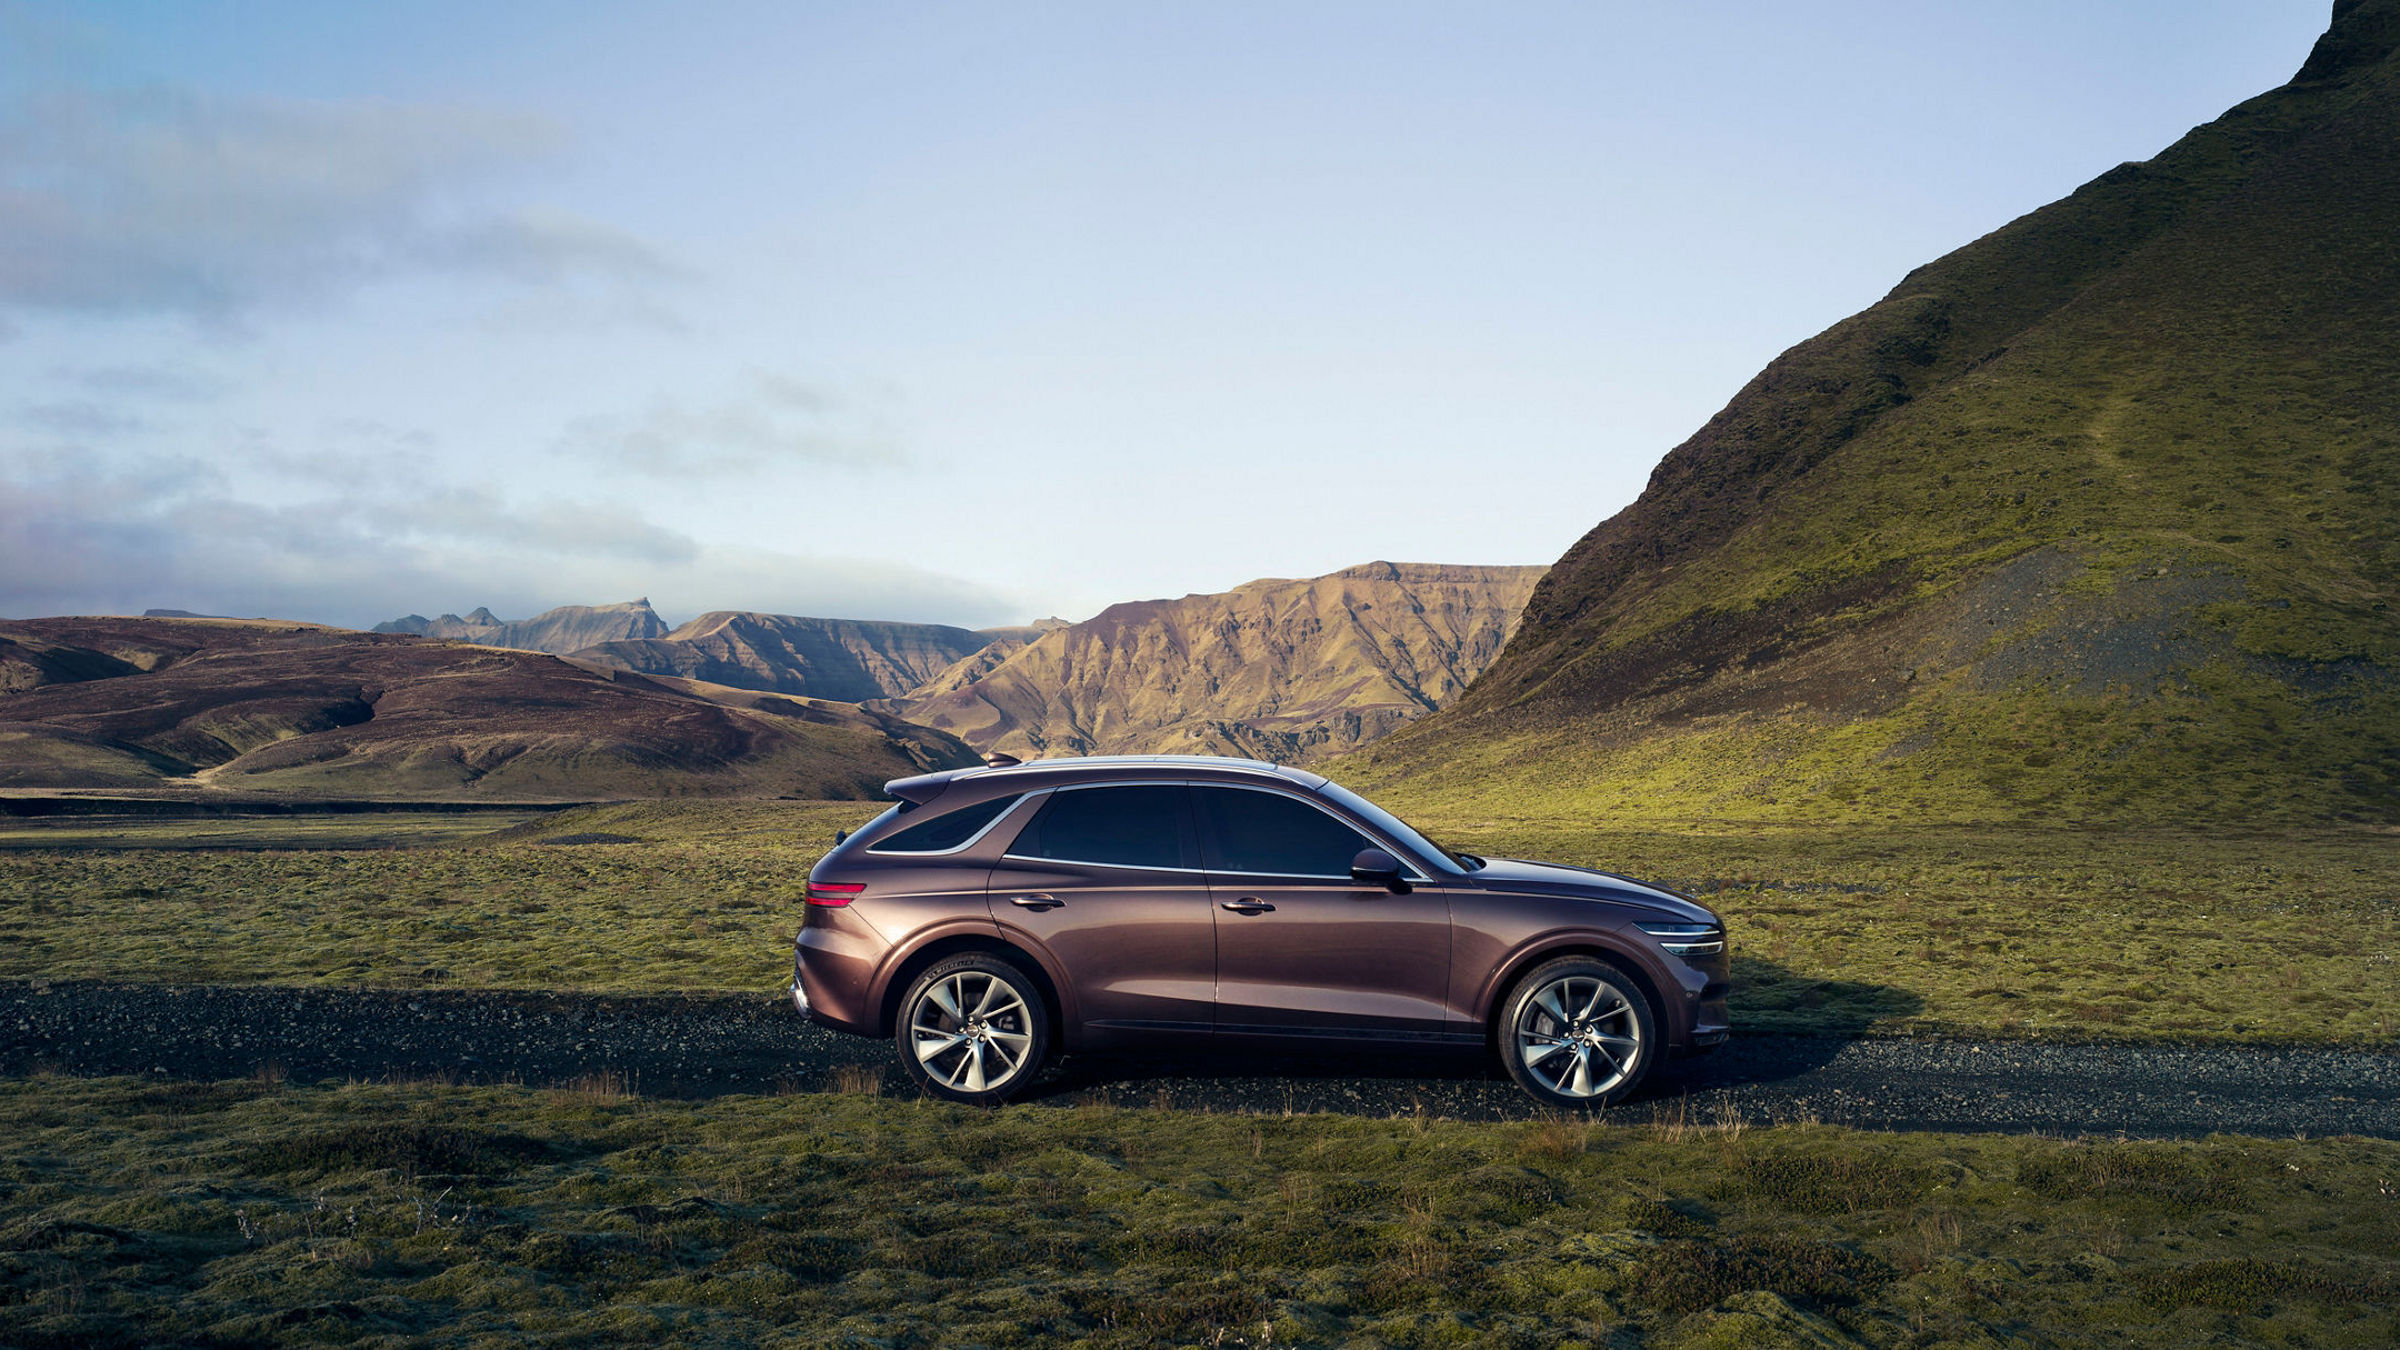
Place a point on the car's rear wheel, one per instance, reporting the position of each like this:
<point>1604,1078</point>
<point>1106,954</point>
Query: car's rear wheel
<point>1577,1034</point>
<point>973,1029</point>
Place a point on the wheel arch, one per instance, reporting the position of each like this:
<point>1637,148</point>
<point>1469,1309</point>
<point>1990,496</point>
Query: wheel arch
<point>1525,963</point>
<point>905,971</point>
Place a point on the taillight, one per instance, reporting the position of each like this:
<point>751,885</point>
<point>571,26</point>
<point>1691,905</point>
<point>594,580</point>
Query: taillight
<point>834,892</point>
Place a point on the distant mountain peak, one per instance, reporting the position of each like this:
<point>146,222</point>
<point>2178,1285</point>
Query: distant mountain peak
<point>848,660</point>
<point>1274,668</point>
<point>558,631</point>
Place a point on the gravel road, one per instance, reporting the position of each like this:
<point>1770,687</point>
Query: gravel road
<point>706,1046</point>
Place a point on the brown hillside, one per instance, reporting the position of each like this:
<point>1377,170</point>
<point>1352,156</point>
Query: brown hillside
<point>1275,669</point>
<point>291,708</point>
<point>850,660</point>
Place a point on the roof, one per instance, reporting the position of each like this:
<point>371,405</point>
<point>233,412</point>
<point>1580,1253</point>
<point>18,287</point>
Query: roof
<point>924,786</point>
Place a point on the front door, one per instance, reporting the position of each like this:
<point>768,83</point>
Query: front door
<point>1107,878</point>
<point>1301,948</point>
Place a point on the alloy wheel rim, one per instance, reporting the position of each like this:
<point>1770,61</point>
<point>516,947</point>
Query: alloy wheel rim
<point>1578,1036</point>
<point>971,1031</point>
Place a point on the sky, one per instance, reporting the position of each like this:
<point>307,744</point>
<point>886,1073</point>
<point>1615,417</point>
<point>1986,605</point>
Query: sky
<point>966,313</point>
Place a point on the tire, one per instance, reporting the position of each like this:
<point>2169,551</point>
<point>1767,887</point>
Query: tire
<point>972,1028</point>
<point>1577,1034</point>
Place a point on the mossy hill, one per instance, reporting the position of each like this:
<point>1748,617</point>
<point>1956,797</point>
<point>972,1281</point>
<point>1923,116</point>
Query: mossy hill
<point>2095,518</point>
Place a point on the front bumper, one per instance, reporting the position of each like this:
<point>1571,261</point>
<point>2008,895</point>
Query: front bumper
<point>1709,983</point>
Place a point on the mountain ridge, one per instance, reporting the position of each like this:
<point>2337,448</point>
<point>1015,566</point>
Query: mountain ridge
<point>558,631</point>
<point>848,660</point>
<point>1278,668</point>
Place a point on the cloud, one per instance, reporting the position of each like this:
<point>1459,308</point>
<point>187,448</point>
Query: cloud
<point>480,519</point>
<point>80,418</point>
<point>160,384</point>
<point>775,420</point>
<point>213,206</point>
<point>91,538</point>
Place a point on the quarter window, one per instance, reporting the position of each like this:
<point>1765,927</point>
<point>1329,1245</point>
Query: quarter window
<point>1269,833</point>
<point>1139,825</point>
<point>944,832</point>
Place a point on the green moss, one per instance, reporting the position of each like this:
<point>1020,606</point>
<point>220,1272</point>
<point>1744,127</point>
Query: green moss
<point>829,1219</point>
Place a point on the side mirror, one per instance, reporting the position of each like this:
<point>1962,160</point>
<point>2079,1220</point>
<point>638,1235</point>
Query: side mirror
<point>840,837</point>
<point>1374,867</point>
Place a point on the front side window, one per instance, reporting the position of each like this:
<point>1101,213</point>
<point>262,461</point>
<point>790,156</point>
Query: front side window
<point>1271,834</point>
<point>1139,825</point>
<point>944,832</point>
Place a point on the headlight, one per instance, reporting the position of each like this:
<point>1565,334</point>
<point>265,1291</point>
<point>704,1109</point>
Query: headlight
<point>1687,939</point>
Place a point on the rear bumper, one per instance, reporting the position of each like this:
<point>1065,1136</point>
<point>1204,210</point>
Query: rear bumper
<point>832,970</point>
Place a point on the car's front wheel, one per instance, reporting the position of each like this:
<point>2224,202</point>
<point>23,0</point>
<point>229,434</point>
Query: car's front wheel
<point>973,1029</point>
<point>1576,1033</point>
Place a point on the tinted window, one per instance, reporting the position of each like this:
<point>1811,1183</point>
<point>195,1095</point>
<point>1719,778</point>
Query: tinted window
<point>944,832</point>
<point>1272,833</point>
<point>1393,826</point>
<point>1136,826</point>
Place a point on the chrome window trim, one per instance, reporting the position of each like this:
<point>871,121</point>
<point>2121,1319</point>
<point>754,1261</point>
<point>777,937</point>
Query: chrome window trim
<point>1082,862</point>
<point>972,840</point>
<point>1413,871</point>
<point>1088,862</point>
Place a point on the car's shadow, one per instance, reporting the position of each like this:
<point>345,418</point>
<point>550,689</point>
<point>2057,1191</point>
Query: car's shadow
<point>1812,1021</point>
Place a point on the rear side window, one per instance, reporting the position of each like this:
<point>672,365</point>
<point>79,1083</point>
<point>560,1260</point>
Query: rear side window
<point>944,832</point>
<point>1269,833</point>
<point>1133,826</point>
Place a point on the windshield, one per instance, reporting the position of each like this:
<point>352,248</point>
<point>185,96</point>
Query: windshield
<point>1400,830</point>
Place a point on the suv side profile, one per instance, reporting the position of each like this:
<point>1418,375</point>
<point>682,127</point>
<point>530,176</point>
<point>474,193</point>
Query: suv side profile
<point>996,918</point>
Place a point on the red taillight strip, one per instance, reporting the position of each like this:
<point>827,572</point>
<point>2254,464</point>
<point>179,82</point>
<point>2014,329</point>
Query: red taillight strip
<point>834,892</point>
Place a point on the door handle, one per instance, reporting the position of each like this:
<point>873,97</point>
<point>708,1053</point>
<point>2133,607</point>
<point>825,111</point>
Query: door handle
<point>1248,906</point>
<point>1036,902</point>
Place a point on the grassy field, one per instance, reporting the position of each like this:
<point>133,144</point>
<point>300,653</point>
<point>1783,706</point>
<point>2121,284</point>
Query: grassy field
<point>249,1212</point>
<point>2281,936</point>
<point>249,833</point>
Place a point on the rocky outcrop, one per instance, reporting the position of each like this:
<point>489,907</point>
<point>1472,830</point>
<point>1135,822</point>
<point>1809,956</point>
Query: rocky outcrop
<point>846,659</point>
<point>1280,670</point>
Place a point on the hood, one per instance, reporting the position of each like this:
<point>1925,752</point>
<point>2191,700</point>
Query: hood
<point>1540,878</point>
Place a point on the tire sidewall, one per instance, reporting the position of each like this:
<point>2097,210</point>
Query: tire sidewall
<point>1036,1011</point>
<point>1644,1016</point>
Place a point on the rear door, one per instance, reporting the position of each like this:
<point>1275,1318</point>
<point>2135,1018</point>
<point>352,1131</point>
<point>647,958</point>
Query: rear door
<point>1107,878</point>
<point>1301,948</point>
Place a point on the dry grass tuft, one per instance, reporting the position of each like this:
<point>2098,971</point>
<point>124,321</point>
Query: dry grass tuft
<point>863,1080</point>
<point>604,1087</point>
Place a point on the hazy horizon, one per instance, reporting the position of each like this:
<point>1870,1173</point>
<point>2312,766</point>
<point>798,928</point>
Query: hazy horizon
<point>959,314</point>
